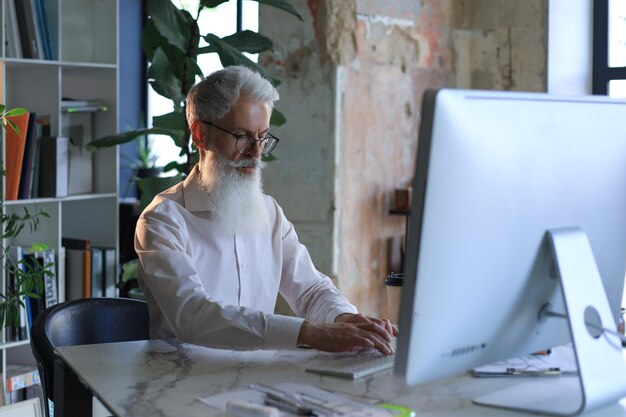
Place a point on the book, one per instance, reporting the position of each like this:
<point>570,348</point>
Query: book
<point>70,105</point>
<point>17,331</point>
<point>78,128</point>
<point>47,297</point>
<point>53,167</point>
<point>42,128</point>
<point>26,25</point>
<point>104,272</point>
<point>35,393</point>
<point>77,267</point>
<point>19,377</point>
<point>34,191</point>
<point>28,159</point>
<point>110,272</point>
<point>13,44</point>
<point>14,154</point>
<point>42,25</point>
<point>46,259</point>
<point>61,274</point>
<point>41,54</point>
<point>97,272</point>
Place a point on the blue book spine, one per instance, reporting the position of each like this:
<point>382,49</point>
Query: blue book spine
<point>45,30</point>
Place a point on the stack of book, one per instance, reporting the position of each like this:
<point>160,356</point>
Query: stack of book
<point>40,165</point>
<point>27,30</point>
<point>21,155</point>
<point>91,271</point>
<point>77,122</point>
<point>78,270</point>
<point>22,383</point>
<point>26,259</point>
<point>70,105</point>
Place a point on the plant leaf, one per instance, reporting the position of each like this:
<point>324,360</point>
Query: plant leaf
<point>248,41</point>
<point>268,158</point>
<point>129,270</point>
<point>13,126</point>
<point>230,55</point>
<point>15,112</point>
<point>277,118</point>
<point>173,120</point>
<point>212,3</point>
<point>163,76</point>
<point>125,137</point>
<point>151,39</point>
<point>170,22</point>
<point>283,5</point>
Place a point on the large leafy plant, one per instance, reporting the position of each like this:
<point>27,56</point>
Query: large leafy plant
<point>27,278</point>
<point>171,43</point>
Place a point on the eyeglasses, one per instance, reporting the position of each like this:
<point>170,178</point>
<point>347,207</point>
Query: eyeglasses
<point>245,143</point>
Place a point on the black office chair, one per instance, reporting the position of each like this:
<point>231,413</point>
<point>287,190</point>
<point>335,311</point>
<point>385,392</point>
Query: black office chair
<point>81,322</point>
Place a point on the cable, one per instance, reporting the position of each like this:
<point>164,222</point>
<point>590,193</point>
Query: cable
<point>621,337</point>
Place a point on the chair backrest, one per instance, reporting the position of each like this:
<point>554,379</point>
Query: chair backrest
<point>82,322</point>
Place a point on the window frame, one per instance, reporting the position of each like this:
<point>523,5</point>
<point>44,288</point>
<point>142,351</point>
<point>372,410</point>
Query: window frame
<point>601,72</point>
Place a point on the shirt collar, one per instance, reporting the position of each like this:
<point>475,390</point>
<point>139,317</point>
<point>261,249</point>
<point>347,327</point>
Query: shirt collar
<point>196,199</point>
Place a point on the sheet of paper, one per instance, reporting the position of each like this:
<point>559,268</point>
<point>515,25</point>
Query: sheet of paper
<point>562,358</point>
<point>341,405</point>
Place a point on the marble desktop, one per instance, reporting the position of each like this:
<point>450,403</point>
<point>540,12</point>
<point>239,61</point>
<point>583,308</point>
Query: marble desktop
<point>160,378</point>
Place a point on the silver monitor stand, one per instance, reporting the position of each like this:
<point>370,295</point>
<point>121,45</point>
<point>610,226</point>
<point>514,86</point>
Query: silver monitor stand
<point>601,377</point>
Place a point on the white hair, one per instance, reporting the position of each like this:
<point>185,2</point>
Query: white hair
<point>214,96</point>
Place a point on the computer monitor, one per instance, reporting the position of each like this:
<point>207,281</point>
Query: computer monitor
<point>515,194</point>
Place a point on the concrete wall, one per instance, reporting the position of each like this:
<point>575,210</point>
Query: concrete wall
<point>501,44</point>
<point>402,48</point>
<point>354,73</point>
<point>302,179</point>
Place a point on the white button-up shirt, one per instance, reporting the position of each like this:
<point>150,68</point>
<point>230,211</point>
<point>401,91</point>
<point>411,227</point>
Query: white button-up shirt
<point>208,288</point>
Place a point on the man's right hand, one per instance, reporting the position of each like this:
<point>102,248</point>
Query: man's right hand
<point>345,337</point>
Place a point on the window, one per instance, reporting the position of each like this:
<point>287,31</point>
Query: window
<point>222,21</point>
<point>609,48</point>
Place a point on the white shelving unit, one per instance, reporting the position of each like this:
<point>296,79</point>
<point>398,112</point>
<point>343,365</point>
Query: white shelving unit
<point>86,32</point>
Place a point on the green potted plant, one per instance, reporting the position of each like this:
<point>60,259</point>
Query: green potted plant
<point>171,43</point>
<point>28,278</point>
<point>143,164</point>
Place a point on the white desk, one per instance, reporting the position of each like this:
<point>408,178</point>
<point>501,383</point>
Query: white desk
<point>156,378</point>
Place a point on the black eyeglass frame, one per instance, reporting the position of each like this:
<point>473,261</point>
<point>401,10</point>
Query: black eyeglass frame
<point>265,149</point>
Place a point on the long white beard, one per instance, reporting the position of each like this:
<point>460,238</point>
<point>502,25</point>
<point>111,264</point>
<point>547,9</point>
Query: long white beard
<point>237,199</point>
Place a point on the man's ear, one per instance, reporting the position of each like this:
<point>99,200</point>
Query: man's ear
<point>198,133</point>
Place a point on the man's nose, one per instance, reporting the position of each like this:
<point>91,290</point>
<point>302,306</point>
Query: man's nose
<point>255,150</point>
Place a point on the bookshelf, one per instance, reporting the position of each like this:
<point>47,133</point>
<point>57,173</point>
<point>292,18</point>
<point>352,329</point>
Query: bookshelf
<point>83,64</point>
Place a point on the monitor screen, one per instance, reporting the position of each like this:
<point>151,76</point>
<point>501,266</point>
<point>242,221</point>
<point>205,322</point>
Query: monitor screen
<point>495,171</point>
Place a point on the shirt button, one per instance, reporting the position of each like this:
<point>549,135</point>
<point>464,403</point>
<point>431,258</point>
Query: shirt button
<point>243,265</point>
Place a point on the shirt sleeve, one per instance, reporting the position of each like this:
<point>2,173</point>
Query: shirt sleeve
<point>178,301</point>
<point>308,292</point>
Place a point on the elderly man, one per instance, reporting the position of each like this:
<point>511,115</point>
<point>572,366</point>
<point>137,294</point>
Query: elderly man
<point>215,251</point>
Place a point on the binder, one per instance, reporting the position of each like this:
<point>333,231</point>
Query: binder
<point>53,167</point>
<point>77,268</point>
<point>28,159</point>
<point>27,29</point>
<point>109,273</point>
<point>14,154</point>
<point>97,279</point>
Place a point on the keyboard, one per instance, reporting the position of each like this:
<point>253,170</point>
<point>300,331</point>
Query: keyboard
<point>353,367</point>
